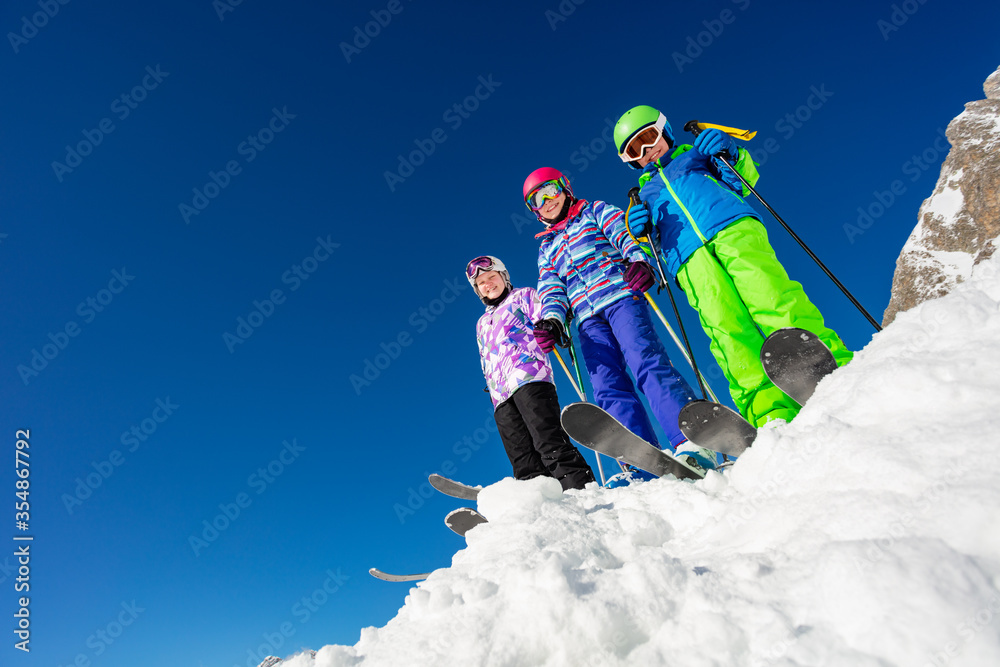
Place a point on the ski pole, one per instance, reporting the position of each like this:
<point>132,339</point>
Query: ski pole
<point>583,397</point>
<point>633,198</point>
<point>692,127</point>
<point>659,313</point>
<point>579,392</point>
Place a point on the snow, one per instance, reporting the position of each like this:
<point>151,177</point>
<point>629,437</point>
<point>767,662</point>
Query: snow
<point>984,124</point>
<point>947,203</point>
<point>864,533</point>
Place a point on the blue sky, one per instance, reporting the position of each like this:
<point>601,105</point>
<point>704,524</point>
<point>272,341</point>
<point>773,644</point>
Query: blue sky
<point>208,229</point>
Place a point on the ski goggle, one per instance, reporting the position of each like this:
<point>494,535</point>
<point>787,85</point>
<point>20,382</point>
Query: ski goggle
<point>645,138</point>
<point>477,266</point>
<point>544,192</point>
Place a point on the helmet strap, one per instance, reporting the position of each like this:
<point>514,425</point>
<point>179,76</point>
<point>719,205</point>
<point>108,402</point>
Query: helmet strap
<point>562,212</point>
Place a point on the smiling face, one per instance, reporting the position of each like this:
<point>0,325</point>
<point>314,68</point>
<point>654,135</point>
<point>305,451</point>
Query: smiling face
<point>490,284</point>
<point>550,210</point>
<point>654,152</point>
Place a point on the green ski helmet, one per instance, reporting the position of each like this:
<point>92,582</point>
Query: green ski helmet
<point>636,119</point>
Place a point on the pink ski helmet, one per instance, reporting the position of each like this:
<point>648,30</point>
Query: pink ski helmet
<point>540,176</point>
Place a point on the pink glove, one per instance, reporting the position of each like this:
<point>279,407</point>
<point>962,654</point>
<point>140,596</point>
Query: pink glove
<point>548,333</point>
<point>640,277</point>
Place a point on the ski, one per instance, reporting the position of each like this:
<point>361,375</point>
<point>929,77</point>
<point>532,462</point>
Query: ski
<point>594,428</point>
<point>385,576</point>
<point>450,487</point>
<point>717,427</point>
<point>463,520</point>
<point>796,360</point>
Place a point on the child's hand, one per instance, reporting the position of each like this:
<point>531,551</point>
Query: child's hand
<point>640,277</point>
<point>547,333</point>
<point>714,141</point>
<point>638,220</point>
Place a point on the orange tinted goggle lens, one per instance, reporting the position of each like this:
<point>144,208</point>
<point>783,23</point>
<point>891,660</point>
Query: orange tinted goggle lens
<point>646,137</point>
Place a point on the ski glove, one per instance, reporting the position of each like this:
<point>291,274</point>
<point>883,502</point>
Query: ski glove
<point>638,220</point>
<point>714,141</point>
<point>549,333</point>
<point>640,277</point>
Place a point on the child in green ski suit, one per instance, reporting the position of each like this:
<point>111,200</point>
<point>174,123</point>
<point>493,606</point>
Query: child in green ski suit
<point>715,246</point>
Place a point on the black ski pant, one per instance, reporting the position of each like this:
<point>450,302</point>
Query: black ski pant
<point>535,442</point>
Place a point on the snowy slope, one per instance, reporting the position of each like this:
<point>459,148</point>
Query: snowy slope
<point>865,533</point>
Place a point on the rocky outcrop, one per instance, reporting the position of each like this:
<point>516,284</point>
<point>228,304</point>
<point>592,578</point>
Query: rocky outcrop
<point>959,224</point>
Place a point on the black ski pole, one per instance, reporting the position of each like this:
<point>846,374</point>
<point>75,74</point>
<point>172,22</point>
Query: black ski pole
<point>692,127</point>
<point>633,200</point>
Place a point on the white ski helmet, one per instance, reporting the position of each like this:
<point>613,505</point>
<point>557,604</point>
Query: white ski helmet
<point>485,263</point>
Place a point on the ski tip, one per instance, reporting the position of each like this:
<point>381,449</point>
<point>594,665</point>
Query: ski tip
<point>385,576</point>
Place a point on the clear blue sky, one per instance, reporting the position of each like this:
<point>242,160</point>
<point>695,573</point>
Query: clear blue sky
<point>146,382</point>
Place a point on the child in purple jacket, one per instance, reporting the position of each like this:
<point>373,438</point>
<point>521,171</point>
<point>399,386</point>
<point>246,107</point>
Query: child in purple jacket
<point>520,380</point>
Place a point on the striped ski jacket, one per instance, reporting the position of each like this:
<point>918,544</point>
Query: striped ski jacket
<point>581,264</point>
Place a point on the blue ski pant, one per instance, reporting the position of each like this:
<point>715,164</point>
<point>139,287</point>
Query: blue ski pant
<point>620,338</point>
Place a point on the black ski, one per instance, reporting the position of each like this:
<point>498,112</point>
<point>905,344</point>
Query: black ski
<point>450,487</point>
<point>385,576</point>
<point>717,427</point>
<point>796,360</point>
<point>463,520</point>
<point>594,428</point>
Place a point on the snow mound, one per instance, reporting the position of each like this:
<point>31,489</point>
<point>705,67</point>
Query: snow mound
<point>865,533</point>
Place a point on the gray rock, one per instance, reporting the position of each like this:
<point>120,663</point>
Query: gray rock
<point>960,222</point>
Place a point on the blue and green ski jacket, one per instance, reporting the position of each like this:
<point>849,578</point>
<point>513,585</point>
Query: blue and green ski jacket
<point>692,198</point>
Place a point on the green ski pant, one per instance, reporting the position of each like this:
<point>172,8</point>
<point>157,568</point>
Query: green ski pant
<point>743,294</point>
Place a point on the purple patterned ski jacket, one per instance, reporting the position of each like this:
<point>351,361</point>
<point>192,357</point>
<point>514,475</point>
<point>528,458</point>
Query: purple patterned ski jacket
<point>507,349</point>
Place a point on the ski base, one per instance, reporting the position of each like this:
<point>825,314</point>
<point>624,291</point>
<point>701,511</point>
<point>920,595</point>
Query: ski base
<point>594,428</point>
<point>717,427</point>
<point>463,520</point>
<point>385,576</point>
<point>795,360</point>
<point>450,487</point>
